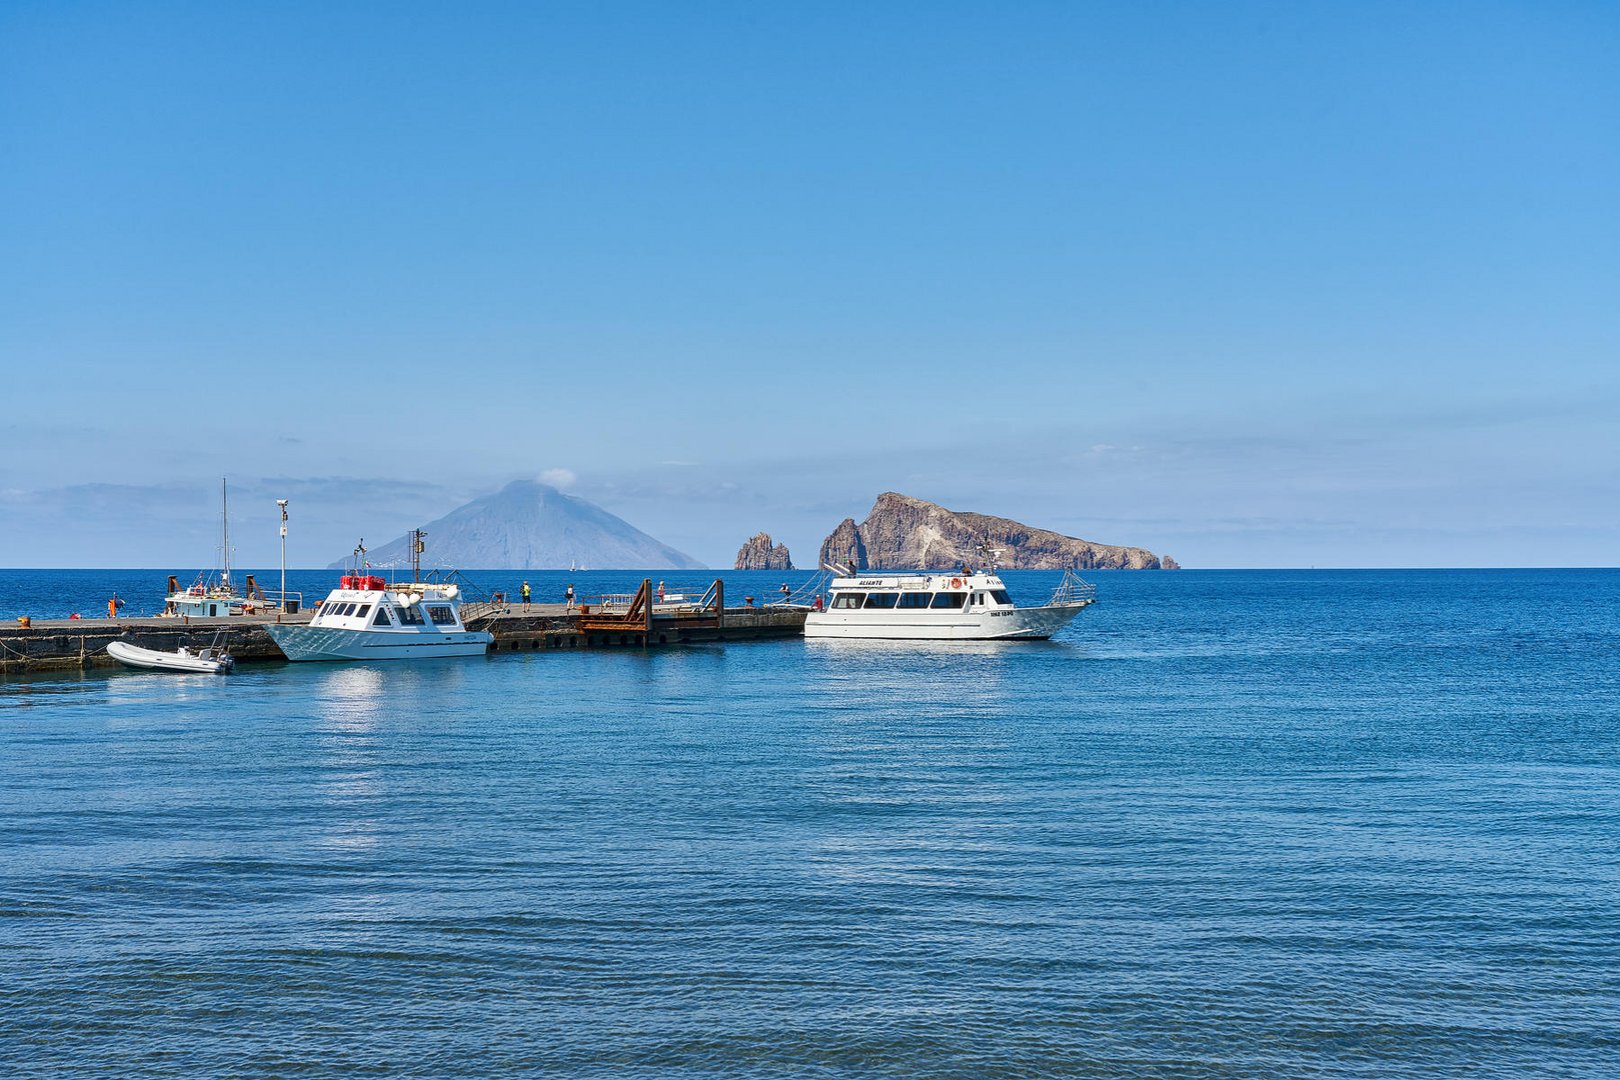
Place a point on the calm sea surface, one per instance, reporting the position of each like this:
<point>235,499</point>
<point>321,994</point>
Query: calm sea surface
<point>1230,824</point>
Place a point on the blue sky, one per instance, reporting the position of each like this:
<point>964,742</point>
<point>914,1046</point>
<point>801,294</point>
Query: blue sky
<point>1254,284</point>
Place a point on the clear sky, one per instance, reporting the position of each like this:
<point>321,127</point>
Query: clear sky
<point>1255,284</point>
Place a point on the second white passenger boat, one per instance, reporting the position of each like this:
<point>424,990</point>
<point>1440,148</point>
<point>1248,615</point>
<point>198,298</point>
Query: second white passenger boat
<point>365,618</point>
<point>960,606</point>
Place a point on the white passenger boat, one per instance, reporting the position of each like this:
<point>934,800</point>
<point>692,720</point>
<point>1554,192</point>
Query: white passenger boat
<point>200,662</point>
<point>960,606</point>
<point>365,618</point>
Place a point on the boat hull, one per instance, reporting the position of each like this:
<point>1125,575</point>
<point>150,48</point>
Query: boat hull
<point>997,624</point>
<point>300,643</point>
<point>152,660</point>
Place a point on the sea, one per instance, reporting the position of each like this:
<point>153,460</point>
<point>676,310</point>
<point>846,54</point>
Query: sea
<point>1227,824</point>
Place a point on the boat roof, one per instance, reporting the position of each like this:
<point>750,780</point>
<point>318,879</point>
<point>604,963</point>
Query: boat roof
<point>946,580</point>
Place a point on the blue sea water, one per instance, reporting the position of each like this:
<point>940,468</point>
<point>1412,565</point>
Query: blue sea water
<point>1228,824</point>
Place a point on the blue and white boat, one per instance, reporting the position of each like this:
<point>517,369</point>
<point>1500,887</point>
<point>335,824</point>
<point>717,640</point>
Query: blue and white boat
<point>366,618</point>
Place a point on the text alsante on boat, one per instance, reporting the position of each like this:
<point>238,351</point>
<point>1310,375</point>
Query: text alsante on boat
<point>963,605</point>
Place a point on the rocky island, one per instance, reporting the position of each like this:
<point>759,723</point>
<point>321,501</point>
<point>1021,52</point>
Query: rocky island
<point>902,533</point>
<point>759,554</point>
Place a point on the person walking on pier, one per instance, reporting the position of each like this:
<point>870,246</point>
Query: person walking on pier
<point>525,596</point>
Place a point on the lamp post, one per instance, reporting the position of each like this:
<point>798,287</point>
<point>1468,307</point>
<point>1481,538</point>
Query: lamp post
<point>283,504</point>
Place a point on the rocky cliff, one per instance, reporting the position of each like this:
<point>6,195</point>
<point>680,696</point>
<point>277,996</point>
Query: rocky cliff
<point>902,533</point>
<point>759,554</point>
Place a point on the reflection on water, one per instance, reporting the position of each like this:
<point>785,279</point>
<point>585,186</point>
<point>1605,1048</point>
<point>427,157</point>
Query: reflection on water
<point>351,695</point>
<point>1246,850</point>
<point>352,699</point>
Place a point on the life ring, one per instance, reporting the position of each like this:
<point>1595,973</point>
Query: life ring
<point>956,583</point>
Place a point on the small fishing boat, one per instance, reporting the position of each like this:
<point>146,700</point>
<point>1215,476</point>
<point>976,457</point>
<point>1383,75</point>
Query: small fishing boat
<point>215,595</point>
<point>367,618</point>
<point>210,661</point>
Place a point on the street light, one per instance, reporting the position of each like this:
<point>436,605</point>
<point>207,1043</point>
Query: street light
<point>283,504</point>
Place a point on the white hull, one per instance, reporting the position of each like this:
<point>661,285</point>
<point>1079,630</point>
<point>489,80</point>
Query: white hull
<point>339,643</point>
<point>996,624</point>
<point>152,660</point>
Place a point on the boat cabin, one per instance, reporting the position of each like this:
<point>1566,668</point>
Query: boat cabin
<point>365,602</point>
<point>919,593</point>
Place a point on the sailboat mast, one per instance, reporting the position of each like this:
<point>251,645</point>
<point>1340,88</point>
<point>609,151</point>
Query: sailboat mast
<point>225,531</point>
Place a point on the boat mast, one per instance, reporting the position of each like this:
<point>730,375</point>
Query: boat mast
<point>418,545</point>
<point>225,534</point>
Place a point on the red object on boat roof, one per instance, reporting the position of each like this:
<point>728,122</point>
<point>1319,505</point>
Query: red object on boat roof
<point>362,582</point>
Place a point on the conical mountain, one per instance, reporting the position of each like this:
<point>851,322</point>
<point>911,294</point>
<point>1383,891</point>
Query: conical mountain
<point>528,525</point>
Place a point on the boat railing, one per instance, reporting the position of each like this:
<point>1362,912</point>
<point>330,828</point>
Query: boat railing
<point>1073,590</point>
<point>481,609</point>
<point>805,595</point>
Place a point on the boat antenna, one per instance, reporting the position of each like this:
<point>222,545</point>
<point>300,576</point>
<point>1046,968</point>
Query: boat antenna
<point>359,554</point>
<point>418,545</point>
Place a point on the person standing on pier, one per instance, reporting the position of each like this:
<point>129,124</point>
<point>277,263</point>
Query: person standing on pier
<point>568,598</point>
<point>525,596</point>
<point>113,605</point>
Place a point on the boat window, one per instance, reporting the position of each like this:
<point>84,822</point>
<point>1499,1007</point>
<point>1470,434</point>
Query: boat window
<point>348,609</point>
<point>1000,596</point>
<point>949,600</point>
<point>913,599</point>
<point>410,616</point>
<point>848,600</point>
<point>382,618</point>
<point>978,598</point>
<point>882,599</point>
<point>441,616</point>
<point>365,609</point>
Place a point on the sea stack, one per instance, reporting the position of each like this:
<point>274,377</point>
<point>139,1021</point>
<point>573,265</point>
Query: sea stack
<point>903,533</point>
<point>759,554</point>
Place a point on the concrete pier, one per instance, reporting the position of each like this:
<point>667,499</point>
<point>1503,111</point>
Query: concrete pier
<point>67,644</point>
<point>550,626</point>
<point>71,644</point>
